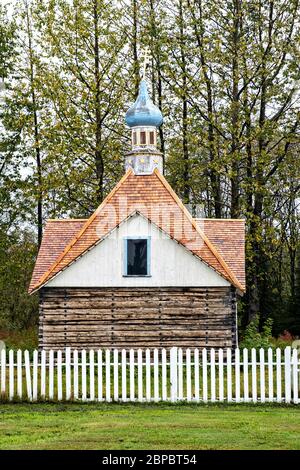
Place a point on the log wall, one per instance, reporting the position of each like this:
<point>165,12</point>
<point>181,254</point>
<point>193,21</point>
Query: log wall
<point>94,318</point>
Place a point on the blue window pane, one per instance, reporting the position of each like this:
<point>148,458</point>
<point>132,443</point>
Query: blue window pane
<point>137,257</point>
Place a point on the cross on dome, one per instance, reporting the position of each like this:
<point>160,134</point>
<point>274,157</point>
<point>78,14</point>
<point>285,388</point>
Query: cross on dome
<point>146,56</point>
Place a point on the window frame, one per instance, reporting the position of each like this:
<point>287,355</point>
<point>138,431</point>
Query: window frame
<point>125,259</point>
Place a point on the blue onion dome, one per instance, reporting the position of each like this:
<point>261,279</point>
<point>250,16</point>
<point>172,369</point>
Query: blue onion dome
<point>143,112</point>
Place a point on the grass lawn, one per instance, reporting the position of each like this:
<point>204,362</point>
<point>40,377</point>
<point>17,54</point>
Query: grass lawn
<point>157,426</point>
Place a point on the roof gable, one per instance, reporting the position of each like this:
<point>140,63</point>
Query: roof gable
<point>153,197</point>
<point>95,269</point>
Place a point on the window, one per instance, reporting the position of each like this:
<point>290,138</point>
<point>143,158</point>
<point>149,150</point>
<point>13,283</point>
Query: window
<point>143,137</point>
<point>137,257</point>
<point>152,138</point>
<point>134,138</point>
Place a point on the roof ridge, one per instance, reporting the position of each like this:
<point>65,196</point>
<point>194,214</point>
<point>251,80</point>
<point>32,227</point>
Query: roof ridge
<point>219,220</point>
<point>66,220</point>
<point>200,232</point>
<point>81,231</point>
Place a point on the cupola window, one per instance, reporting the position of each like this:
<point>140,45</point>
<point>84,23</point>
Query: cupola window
<point>134,141</point>
<point>143,137</point>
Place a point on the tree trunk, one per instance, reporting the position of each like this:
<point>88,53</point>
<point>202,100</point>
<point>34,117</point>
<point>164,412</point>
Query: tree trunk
<point>234,180</point>
<point>255,228</point>
<point>156,48</point>
<point>35,131</point>
<point>213,156</point>
<point>186,182</point>
<point>134,48</point>
<point>98,131</point>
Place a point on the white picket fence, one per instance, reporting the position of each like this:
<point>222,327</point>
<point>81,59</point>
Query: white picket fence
<point>193,375</point>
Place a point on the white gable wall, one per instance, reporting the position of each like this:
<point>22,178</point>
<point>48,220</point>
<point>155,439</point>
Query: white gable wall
<point>171,264</point>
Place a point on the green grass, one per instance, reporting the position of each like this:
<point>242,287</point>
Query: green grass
<point>148,426</point>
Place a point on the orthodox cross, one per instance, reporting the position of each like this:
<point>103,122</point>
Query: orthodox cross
<point>146,57</point>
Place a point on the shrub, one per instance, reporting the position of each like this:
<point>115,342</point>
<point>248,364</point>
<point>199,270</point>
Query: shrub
<point>253,338</point>
<point>24,339</point>
<point>284,339</point>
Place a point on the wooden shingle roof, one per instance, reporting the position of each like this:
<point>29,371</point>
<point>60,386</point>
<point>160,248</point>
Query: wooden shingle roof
<point>152,196</point>
<point>228,235</point>
<point>57,234</point>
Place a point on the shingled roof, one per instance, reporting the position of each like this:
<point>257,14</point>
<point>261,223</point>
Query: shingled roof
<point>228,235</point>
<point>220,248</point>
<point>57,235</point>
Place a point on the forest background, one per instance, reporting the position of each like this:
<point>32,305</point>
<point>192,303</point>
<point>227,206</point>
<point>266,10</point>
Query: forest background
<point>225,74</point>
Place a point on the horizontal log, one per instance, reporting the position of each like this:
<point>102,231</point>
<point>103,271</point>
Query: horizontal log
<point>139,323</point>
<point>137,304</point>
<point>135,346</point>
<point>92,291</point>
<point>146,317</point>
<point>116,327</point>
<point>130,336</point>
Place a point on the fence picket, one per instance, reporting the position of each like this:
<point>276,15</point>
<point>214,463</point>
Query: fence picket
<point>164,374</point>
<point>245,372</point>
<point>262,375</point>
<point>156,383</point>
<point>221,375</point>
<point>270,374</point>
<point>254,376</point>
<point>116,375</point>
<point>204,375</point>
<point>28,375</point>
<point>51,374</point>
<point>107,375</point>
<point>295,375</point>
<point>35,376</point>
<point>140,374</point>
<point>124,376</point>
<point>196,374</point>
<point>100,375</point>
<point>3,372</point>
<point>43,375</point>
<point>278,376</point>
<point>11,374</point>
<point>19,374</point>
<point>148,375</point>
<point>173,374</point>
<point>229,375</point>
<point>92,375</point>
<point>237,376</point>
<point>75,374</point>
<point>68,373</point>
<point>180,374</point>
<point>212,375</point>
<point>188,375</point>
<point>83,375</point>
<point>59,376</point>
<point>131,373</point>
<point>287,374</point>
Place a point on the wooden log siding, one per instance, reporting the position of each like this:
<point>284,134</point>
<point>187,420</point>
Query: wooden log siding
<point>125,318</point>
